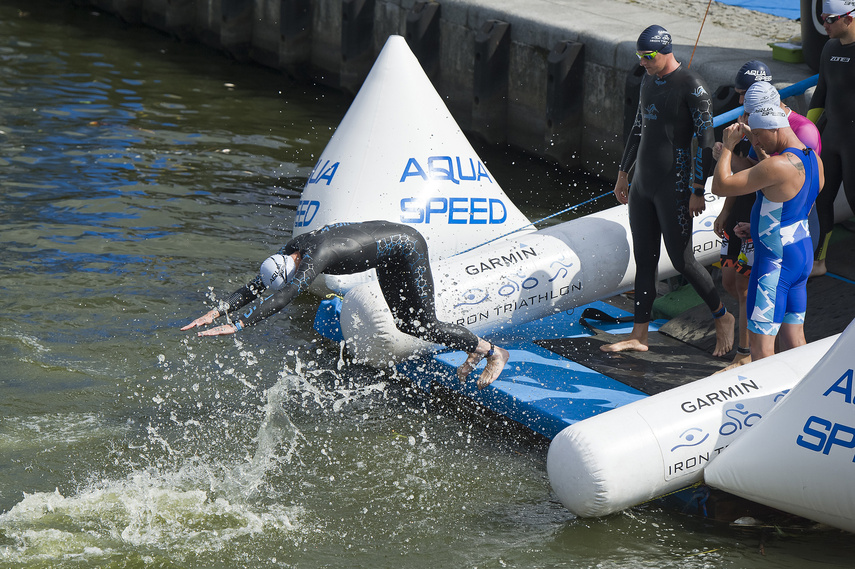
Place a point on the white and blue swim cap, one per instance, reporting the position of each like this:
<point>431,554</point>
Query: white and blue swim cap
<point>751,72</point>
<point>654,38</point>
<point>768,118</point>
<point>837,7</point>
<point>277,270</point>
<point>761,94</point>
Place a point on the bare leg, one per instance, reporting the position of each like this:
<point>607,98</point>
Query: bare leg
<point>637,341</point>
<point>762,346</point>
<point>736,284</point>
<point>728,281</point>
<point>742,296</point>
<point>818,268</point>
<point>791,336</point>
<point>724,334</point>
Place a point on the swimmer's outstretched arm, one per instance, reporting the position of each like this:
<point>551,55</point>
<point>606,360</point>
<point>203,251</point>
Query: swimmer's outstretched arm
<point>203,320</point>
<point>223,330</point>
<point>238,299</point>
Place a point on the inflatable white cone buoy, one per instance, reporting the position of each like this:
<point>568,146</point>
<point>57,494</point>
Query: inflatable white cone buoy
<point>801,457</point>
<point>399,155</point>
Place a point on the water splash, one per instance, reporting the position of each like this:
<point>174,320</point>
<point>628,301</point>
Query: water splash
<point>187,495</point>
<point>166,512</point>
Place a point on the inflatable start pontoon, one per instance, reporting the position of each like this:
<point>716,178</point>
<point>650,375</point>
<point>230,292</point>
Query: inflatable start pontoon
<point>625,428</point>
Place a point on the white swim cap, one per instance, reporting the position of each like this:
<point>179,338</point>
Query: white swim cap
<point>837,7</point>
<point>768,118</point>
<point>277,270</point>
<point>761,94</point>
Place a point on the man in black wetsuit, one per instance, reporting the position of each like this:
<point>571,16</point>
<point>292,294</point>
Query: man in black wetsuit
<point>834,94</point>
<point>399,255</point>
<point>668,183</point>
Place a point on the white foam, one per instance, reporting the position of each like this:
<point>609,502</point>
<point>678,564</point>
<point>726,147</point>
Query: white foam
<point>43,431</point>
<point>169,511</point>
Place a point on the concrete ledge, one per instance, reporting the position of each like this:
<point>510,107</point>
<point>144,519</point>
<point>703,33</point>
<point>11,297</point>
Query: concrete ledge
<point>334,42</point>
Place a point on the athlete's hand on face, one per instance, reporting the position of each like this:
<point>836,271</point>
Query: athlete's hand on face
<point>697,205</point>
<point>761,154</point>
<point>622,189</point>
<point>223,330</point>
<point>203,320</point>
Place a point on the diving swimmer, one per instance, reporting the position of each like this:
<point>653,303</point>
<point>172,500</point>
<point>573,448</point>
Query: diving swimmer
<point>399,255</point>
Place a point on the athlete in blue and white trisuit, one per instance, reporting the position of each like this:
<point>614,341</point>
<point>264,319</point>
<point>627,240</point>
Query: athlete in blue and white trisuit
<point>668,183</point>
<point>787,185</point>
<point>759,94</point>
<point>399,255</point>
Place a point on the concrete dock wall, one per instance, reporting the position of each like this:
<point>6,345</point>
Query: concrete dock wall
<point>540,75</point>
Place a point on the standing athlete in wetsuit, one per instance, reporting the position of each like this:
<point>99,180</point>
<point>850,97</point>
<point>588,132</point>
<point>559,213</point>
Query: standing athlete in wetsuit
<point>834,94</point>
<point>399,255</point>
<point>786,185</point>
<point>668,184</point>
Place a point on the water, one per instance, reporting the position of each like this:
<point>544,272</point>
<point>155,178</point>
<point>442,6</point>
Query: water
<point>142,178</point>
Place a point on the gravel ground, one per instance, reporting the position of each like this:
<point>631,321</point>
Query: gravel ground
<point>757,24</point>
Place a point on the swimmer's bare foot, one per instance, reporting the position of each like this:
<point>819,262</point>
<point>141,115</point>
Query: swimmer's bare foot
<point>738,360</point>
<point>637,341</point>
<point>818,268</point>
<point>495,365</point>
<point>468,366</point>
<point>724,334</point>
<point>630,345</point>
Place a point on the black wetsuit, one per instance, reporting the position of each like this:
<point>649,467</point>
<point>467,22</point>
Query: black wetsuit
<point>398,253</point>
<point>834,92</point>
<point>671,110</point>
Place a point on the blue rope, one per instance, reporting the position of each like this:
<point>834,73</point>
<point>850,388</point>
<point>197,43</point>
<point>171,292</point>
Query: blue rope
<point>724,118</point>
<point>788,91</point>
<point>533,222</point>
<point>838,277</point>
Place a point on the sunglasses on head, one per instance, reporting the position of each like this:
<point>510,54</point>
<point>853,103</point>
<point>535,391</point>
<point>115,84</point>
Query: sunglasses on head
<point>650,55</point>
<point>831,19</point>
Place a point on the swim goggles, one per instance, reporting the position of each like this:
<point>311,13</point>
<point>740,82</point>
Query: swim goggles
<point>648,56</point>
<point>831,19</point>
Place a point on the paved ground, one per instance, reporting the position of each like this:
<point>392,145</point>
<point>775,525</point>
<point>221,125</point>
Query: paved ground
<point>730,35</point>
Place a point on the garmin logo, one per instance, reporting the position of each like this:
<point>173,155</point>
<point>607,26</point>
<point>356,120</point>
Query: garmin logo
<point>712,399</point>
<point>504,261</point>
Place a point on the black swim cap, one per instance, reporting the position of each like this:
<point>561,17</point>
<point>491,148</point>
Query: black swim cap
<point>750,72</point>
<point>654,38</point>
